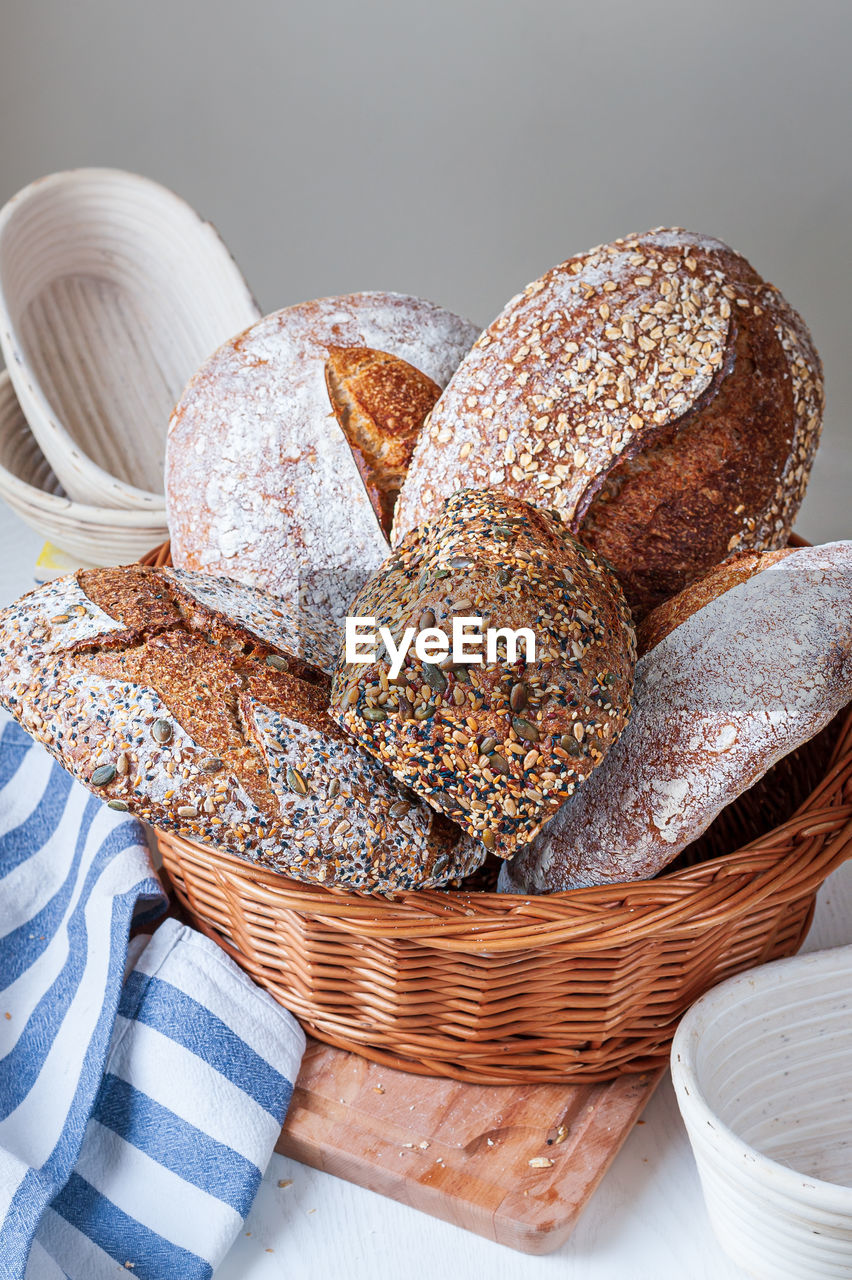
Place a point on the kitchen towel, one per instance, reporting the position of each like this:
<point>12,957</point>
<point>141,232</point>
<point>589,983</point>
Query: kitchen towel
<point>137,1113</point>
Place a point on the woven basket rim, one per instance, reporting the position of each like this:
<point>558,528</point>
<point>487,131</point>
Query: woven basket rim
<point>788,860</point>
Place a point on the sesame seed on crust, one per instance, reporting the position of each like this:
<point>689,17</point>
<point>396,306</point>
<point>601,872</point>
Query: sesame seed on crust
<point>213,726</point>
<point>496,747</point>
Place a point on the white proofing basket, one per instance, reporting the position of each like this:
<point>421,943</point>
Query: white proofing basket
<point>762,1069</point>
<point>113,291</point>
<point>95,535</point>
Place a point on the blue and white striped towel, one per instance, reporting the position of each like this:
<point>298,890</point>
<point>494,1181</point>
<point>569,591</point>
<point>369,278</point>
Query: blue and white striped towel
<point>137,1115</point>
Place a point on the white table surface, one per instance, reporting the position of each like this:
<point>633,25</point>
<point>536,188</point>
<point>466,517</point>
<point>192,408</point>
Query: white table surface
<point>646,1221</point>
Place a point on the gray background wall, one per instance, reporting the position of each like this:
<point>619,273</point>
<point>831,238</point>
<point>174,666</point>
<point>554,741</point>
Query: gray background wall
<point>459,149</point>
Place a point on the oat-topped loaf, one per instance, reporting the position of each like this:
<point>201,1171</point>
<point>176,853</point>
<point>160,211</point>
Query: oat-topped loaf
<point>496,746</point>
<point>207,723</point>
<point>287,448</point>
<point>740,677</point>
<point>656,392</point>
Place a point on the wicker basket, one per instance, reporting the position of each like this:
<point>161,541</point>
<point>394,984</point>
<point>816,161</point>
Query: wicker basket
<point>579,986</point>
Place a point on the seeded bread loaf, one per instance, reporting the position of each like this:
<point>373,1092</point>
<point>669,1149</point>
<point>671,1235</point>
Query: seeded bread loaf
<point>497,746</point>
<point>179,697</point>
<point>655,391</point>
<point>737,685</point>
<point>262,483</point>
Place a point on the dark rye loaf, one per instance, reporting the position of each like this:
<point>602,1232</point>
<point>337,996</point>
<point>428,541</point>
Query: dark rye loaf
<point>180,698</point>
<point>655,391</point>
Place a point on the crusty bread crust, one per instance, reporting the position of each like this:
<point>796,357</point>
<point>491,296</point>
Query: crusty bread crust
<point>381,403</point>
<point>739,684</point>
<point>207,723</point>
<point>498,746</point>
<point>655,391</point>
<point>737,568</point>
<point>261,482</point>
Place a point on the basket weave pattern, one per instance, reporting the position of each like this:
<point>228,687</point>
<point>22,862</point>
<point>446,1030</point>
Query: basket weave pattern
<point>495,988</point>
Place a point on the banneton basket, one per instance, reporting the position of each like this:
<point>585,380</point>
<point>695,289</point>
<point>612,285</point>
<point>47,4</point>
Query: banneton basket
<point>761,1069</point>
<point>96,535</point>
<point>566,987</point>
<point>113,291</point>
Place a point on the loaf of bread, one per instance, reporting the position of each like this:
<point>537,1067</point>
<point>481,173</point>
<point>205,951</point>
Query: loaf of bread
<point>262,483</point>
<point>181,698</point>
<point>496,746</point>
<point>733,688</point>
<point>655,391</point>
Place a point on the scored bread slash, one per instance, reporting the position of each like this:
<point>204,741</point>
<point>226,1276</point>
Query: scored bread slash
<point>736,569</point>
<point>381,403</point>
<point>169,709</point>
<point>496,746</point>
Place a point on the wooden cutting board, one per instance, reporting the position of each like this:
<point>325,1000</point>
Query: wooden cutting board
<point>514,1163</point>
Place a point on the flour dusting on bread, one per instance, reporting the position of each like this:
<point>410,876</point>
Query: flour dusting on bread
<point>741,683</point>
<point>262,485</point>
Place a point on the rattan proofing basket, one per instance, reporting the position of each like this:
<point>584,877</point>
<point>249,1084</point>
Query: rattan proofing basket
<point>493,988</point>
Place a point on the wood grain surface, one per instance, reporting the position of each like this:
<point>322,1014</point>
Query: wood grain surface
<point>514,1163</point>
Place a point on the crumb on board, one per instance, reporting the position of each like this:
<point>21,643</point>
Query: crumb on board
<point>540,1162</point>
<point>285,1182</point>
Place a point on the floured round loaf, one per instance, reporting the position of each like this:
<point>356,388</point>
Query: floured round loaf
<point>736,686</point>
<point>497,746</point>
<point>655,391</point>
<point>262,484</point>
<point>206,723</point>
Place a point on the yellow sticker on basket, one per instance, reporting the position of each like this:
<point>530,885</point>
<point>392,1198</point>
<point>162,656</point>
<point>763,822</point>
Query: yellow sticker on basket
<point>53,562</point>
